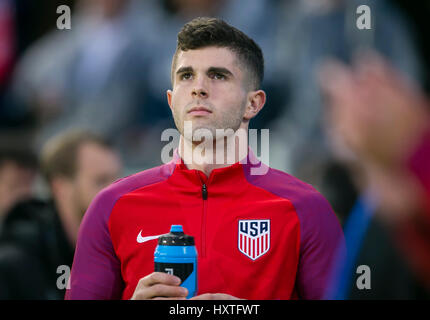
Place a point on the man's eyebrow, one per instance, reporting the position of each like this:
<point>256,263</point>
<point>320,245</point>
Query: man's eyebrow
<point>184,69</point>
<point>220,70</point>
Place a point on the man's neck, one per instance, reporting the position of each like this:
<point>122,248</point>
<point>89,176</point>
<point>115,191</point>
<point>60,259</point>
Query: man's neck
<point>68,217</point>
<point>207,156</point>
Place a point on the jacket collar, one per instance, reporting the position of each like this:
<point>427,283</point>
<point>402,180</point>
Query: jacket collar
<point>233,171</point>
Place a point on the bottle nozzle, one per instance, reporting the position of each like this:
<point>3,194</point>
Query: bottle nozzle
<point>176,228</point>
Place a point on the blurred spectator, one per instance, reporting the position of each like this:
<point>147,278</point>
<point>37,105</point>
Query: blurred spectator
<point>106,73</point>
<point>312,30</point>
<point>89,77</point>
<point>38,236</point>
<point>18,168</point>
<point>379,122</point>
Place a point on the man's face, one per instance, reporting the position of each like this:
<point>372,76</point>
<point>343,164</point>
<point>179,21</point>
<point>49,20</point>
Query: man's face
<point>208,89</point>
<point>97,167</point>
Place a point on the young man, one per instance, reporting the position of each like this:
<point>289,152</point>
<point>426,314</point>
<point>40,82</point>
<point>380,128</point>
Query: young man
<point>216,75</point>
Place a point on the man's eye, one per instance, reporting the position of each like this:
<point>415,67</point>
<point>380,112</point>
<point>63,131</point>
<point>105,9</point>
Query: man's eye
<point>218,76</point>
<point>186,76</point>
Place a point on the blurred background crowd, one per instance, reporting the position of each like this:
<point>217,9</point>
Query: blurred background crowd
<point>347,110</point>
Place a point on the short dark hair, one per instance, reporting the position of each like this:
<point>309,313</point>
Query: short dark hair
<point>21,157</point>
<point>204,32</point>
<point>59,155</point>
<point>16,147</point>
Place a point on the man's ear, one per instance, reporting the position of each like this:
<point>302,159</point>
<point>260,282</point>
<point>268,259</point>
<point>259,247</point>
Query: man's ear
<point>255,102</point>
<point>169,98</point>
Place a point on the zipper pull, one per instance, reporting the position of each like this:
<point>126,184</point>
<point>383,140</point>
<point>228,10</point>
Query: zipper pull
<point>204,192</point>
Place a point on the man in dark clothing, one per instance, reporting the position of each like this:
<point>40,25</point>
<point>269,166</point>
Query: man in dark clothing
<point>33,245</point>
<point>38,237</point>
<point>391,276</point>
<point>18,169</point>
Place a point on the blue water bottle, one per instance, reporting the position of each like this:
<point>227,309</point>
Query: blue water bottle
<point>176,254</point>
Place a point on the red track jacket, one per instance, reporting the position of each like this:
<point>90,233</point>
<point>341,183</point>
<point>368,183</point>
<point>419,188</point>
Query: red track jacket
<point>288,254</point>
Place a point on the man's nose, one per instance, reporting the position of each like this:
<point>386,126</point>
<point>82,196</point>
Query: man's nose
<point>200,89</point>
<point>201,93</point>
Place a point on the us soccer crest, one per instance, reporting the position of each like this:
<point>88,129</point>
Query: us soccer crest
<point>254,238</point>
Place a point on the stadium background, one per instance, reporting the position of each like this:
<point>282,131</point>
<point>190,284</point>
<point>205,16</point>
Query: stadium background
<point>110,71</point>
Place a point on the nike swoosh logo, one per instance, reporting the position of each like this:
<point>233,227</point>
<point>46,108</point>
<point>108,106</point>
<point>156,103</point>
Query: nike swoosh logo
<point>141,239</point>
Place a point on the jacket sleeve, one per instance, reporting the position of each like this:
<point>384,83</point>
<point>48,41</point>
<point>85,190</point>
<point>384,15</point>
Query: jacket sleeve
<point>321,238</point>
<point>96,272</point>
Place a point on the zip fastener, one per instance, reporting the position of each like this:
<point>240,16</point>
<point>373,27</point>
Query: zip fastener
<point>204,192</point>
<point>204,197</point>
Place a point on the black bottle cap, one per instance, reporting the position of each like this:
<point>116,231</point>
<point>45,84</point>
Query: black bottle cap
<point>176,237</point>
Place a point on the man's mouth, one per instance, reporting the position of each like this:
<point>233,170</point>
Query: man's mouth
<point>199,111</point>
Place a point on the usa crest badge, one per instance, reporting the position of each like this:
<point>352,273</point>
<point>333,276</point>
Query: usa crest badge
<point>254,238</point>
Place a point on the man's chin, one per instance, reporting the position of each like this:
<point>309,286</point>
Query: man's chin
<point>204,128</point>
<point>199,126</point>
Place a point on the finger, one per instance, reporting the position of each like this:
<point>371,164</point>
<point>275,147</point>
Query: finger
<point>376,70</point>
<point>215,296</point>
<point>165,291</point>
<point>339,85</point>
<point>159,277</point>
<point>332,75</point>
<point>205,296</point>
<point>160,291</point>
<point>371,61</point>
<point>223,296</point>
